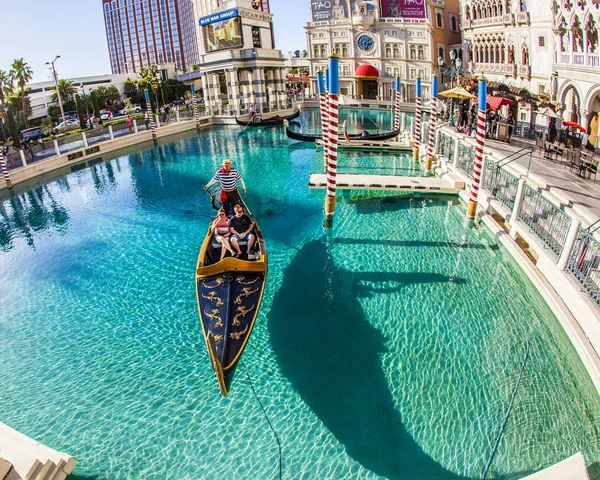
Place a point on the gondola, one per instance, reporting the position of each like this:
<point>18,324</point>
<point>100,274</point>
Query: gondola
<point>312,137</point>
<point>269,122</point>
<point>229,293</point>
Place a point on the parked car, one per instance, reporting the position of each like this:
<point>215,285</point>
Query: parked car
<point>105,115</point>
<point>67,126</point>
<point>34,133</point>
<point>130,110</point>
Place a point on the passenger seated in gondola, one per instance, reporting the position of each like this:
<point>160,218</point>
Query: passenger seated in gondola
<point>220,230</point>
<point>364,134</point>
<point>241,227</point>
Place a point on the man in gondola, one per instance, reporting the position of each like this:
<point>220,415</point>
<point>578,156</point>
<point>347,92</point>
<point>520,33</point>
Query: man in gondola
<point>241,227</point>
<point>228,178</point>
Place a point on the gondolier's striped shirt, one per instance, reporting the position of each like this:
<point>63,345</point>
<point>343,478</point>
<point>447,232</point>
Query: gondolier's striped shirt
<point>228,180</point>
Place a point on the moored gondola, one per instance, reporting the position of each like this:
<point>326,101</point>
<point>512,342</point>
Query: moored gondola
<point>229,293</point>
<point>268,122</point>
<point>313,137</point>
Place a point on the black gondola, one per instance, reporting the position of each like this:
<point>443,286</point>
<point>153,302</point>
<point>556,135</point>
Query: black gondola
<point>268,122</point>
<point>313,137</point>
<point>229,293</point>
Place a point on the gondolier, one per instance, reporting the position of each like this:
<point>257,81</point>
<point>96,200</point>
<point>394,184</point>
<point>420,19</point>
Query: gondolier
<point>228,178</point>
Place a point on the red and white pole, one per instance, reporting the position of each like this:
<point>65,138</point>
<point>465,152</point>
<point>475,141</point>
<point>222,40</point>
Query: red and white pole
<point>5,169</point>
<point>333,140</point>
<point>195,107</point>
<point>480,143</point>
<point>397,113</point>
<point>417,121</point>
<point>324,116</point>
<point>432,120</point>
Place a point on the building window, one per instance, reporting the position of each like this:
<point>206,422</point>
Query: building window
<point>396,51</point>
<point>541,89</point>
<point>453,23</point>
<point>386,32</point>
<point>394,33</point>
<point>345,50</point>
<point>413,52</point>
<point>388,51</point>
<point>439,20</point>
<point>542,41</point>
<point>421,52</point>
<point>316,51</point>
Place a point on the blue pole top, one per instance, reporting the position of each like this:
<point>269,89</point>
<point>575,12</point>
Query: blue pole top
<point>193,89</point>
<point>334,75</point>
<point>147,95</point>
<point>397,84</point>
<point>418,87</point>
<point>434,87</point>
<point>482,94</point>
<point>326,76</point>
<point>320,82</point>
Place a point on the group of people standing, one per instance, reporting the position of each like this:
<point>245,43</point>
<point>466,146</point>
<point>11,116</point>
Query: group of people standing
<point>467,120</point>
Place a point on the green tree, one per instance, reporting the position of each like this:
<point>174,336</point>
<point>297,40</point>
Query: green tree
<point>80,112</point>
<point>109,96</point>
<point>6,89</point>
<point>47,126</point>
<point>67,91</point>
<point>12,128</point>
<point>22,74</point>
<point>96,103</point>
<point>20,106</point>
<point>131,90</point>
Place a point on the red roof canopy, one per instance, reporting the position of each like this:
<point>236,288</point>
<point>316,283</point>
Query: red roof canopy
<point>366,71</point>
<point>495,103</point>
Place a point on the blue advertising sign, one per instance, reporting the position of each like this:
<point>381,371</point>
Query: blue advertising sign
<point>219,17</point>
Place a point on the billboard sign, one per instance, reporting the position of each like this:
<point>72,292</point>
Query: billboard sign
<point>222,30</point>
<point>403,8</point>
<point>325,10</point>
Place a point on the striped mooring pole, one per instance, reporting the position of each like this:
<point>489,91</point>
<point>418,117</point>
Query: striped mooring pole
<point>432,119</point>
<point>324,115</point>
<point>398,90</point>
<point>150,114</point>
<point>334,89</point>
<point>5,170</point>
<point>480,142</point>
<point>195,107</point>
<point>417,121</point>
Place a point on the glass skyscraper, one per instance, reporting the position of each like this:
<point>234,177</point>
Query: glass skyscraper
<point>141,33</point>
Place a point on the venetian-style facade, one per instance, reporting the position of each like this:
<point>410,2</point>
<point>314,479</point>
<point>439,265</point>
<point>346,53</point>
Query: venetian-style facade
<point>377,41</point>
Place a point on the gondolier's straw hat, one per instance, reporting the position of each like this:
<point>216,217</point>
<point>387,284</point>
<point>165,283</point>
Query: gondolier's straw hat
<point>226,162</point>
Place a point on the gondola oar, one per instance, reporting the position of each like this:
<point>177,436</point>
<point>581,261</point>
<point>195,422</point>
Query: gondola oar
<point>374,123</point>
<point>249,122</point>
<point>213,199</point>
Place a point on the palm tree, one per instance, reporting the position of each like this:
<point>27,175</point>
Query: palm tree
<point>22,73</point>
<point>6,87</point>
<point>67,91</point>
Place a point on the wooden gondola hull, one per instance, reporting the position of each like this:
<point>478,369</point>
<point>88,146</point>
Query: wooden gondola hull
<point>313,137</point>
<point>228,305</point>
<point>268,122</point>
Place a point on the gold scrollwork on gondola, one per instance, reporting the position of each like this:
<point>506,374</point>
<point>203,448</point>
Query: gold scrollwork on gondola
<point>218,338</point>
<point>246,292</point>
<point>213,296</point>
<point>219,283</point>
<point>240,279</point>
<point>214,315</point>
<point>241,312</point>
<point>238,335</point>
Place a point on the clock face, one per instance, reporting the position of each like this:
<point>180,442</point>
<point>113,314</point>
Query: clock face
<point>365,43</point>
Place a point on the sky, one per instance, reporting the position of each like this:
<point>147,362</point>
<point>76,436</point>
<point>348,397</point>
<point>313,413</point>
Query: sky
<point>38,30</point>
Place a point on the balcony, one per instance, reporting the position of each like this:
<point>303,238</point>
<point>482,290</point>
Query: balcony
<point>580,59</point>
<point>505,19</point>
<point>500,68</point>
<point>522,17</point>
<point>524,71</point>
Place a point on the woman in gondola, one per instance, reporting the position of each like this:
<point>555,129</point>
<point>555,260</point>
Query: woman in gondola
<point>220,229</point>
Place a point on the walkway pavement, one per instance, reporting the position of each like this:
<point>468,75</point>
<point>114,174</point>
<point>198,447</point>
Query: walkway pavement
<point>582,192</point>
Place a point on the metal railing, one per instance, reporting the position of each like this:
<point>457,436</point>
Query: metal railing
<point>584,263</point>
<point>548,221</point>
<point>501,184</point>
<point>466,157</point>
<point>446,146</point>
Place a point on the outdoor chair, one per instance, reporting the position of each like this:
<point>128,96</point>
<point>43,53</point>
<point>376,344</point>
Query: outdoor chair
<point>592,168</point>
<point>539,143</point>
<point>576,163</point>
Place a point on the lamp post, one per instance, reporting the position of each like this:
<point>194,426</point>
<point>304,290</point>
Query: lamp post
<point>86,97</point>
<point>453,71</point>
<point>54,77</point>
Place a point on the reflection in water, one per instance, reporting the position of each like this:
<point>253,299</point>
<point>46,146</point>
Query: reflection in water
<point>331,354</point>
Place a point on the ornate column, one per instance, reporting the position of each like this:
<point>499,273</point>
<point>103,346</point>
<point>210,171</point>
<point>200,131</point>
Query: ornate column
<point>259,85</point>
<point>206,93</point>
<point>234,91</point>
<point>251,88</point>
<point>217,92</point>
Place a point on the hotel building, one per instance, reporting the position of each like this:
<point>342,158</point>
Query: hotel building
<point>142,33</point>
<point>378,40</point>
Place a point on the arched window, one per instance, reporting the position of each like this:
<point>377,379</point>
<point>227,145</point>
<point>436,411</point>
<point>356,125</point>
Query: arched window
<point>453,24</point>
<point>421,52</point>
<point>396,51</point>
<point>345,50</point>
<point>316,51</point>
<point>439,20</point>
<point>413,52</point>
<point>388,51</point>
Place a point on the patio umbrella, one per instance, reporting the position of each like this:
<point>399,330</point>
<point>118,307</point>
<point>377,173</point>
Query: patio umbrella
<point>547,112</point>
<point>573,124</point>
<point>456,92</point>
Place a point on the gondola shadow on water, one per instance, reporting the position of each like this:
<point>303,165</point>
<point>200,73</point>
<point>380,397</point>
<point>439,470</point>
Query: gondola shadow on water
<point>331,354</point>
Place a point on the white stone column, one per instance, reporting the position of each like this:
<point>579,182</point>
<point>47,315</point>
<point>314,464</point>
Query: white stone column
<point>234,91</point>
<point>111,133</point>
<point>22,155</point>
<point>206,93</point>
<point>259,85</point>
<point>135,125</point>
<point>84,138</point>
<point>157,120</point>
<point>177,117</point>
<point>518,202</point>
<point>251,89</point>
<point>456,153</point>
<point>563,261</point>
<point>56,147</point>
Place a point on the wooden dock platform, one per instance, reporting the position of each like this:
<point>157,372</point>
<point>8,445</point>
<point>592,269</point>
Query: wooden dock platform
<point>401,147</point>
<point>386,182</point>
<point>23,458</point>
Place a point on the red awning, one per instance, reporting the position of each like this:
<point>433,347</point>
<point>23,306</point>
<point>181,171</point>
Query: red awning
<point>495,103</point>
<point>366,71</point>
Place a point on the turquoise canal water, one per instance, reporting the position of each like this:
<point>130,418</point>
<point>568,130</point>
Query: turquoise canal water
<point>392,353</point>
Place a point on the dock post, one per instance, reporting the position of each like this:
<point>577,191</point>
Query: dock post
<point>333,140</point>
<point>417,120</point>
<point>5,170</point>
<point>195,106</point>
<point>456,152</point>
<point>150,114</point>
<point>324,115</point>
<point>478,164</point>
<point>567,250</point>
<point>432,119</point>
<point>397,89</point>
